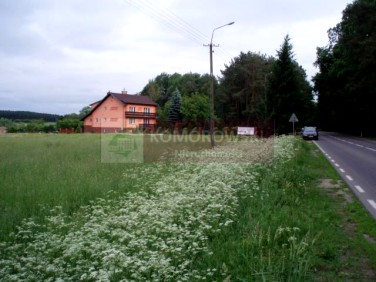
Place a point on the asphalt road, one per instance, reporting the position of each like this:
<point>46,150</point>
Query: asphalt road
<point>355,159</point>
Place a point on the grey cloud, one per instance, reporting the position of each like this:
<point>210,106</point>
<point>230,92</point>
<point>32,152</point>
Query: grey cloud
<point>59,55</point>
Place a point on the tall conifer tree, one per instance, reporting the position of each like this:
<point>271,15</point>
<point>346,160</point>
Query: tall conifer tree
<point>288,90</point>
<point>174,113</point>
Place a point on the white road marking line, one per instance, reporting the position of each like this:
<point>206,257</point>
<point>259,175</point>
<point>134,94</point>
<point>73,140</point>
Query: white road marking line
<point>359,145</point>
<point>327,155</point>
<point>359,189</point>
<point>321,149</point>
<point>332,160</point>
<point>372,203</point>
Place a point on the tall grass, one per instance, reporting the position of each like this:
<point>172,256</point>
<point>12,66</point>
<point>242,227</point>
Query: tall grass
<point>41,171</point>
<point>290,230</point>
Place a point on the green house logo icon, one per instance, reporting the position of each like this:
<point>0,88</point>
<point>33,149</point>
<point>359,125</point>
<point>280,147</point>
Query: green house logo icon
<point>123,144</point>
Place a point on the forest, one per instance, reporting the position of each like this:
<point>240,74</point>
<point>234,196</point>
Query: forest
<point>27,116</point>
<point>346,82</point>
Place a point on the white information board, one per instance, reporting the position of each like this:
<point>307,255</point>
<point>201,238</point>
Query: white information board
<point>246,130</point>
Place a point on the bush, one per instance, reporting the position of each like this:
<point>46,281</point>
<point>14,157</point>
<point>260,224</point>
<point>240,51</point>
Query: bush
<point>34,126</point>
<point>76,124</point>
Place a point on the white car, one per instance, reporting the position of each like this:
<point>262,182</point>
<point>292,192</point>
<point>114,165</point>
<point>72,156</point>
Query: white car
<point>310,133</point>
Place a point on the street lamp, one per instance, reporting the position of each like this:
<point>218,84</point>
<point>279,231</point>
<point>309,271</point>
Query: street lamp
<point>212,86</point>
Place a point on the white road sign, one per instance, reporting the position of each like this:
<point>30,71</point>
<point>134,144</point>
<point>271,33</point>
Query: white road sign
<point>293,118</point>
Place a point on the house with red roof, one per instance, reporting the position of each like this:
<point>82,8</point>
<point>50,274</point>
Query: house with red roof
<point>121,112</point>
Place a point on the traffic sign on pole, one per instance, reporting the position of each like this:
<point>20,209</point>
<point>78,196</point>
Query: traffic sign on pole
<point>293,119</point>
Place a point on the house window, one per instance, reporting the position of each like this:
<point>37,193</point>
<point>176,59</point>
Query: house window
<point>132,109</point>
<point>97,120</point>
<point>105,119</point>
<point>132,121</point>
<point>147,111</point>
<point>146,121</point>
<point>105,108</point>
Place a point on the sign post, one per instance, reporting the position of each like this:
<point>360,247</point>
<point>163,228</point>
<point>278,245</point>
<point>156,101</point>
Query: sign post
<point>293,119</point>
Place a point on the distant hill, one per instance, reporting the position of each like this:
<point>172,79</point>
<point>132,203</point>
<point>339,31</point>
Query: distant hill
<point>25,115</point>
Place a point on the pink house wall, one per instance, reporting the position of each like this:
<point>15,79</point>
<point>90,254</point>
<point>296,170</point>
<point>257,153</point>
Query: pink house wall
<point>110,116</point>
<point>139,121</point>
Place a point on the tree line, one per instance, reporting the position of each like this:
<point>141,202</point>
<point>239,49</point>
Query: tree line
<point>23,121</point>
<point>254,89</point>
<point>346,82</point>
<point>28,116</point>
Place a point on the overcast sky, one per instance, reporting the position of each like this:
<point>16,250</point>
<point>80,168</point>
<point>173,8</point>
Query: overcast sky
<point>57,56</point>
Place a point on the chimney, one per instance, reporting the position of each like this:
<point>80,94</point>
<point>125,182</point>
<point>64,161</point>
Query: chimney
<point>124,92</point>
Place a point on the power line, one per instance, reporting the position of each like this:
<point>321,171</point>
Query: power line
<point>165,19</point>
<point>172,21</point>
<point>179,20</point>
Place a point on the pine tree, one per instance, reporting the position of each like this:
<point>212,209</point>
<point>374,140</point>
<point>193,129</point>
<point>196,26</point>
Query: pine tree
<point>174,114</point>
<point>288,91</point>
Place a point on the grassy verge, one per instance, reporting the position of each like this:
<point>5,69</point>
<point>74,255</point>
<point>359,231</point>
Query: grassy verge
<point>363,230</point>
<point>297,230</point>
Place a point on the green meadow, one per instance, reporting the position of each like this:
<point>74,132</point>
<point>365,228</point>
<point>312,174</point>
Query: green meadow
<point>66,216</point>
<point>41,171</point>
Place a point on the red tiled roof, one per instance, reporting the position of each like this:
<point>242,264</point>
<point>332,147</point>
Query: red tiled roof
<point>133,99</point>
